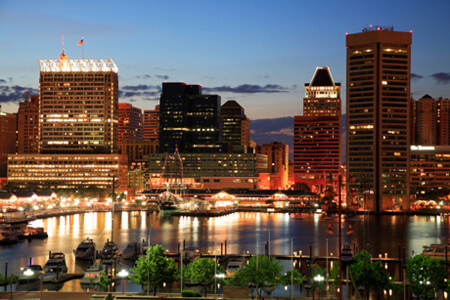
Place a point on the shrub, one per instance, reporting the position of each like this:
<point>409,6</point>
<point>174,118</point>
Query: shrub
<point>189,293</point>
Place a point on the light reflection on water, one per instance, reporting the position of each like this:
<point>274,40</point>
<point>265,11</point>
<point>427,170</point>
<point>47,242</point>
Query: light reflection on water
<point>241,232</point>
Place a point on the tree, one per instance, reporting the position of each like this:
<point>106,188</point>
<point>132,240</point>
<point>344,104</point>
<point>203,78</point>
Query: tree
<point>295,279</point>
<point>261,272</point>
<point>201,270</point>
<point>154,269</point>
<point>426,275</point>
<point>368,274</point>
<point>317,278</point>
<point>104,283</point>
<point>9,281</point>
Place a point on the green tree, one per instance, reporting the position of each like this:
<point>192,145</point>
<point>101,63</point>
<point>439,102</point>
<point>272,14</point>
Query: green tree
<point>201,270</point>
<point>9,281</point>
<point>426,275</point>
<point>105,283</point>
<point>317,279</point>
<point>260,272</point>
<point>154,269</point>
<point>368,274</point>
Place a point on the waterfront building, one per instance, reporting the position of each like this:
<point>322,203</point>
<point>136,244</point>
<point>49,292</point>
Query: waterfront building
<point>137,150</point>
<point>190,168</point>
<point>131,123</point>
<point>277,164</point>
<point>444,122</point>
<point>317,134</point>
<point>64,171</point>
<point>151,124</point>
<point>28,125</point>
<point>78,105</point>
<point>378,114</point>
<point>8,138</point>
<point>235,124</point>
<point>138,180</point>
<point>189,120</point>
<point>430,170</point>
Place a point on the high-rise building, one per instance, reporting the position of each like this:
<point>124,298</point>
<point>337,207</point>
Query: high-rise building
<point>78,105</point>
<point>28,125</point>
<point>317,134</point>
<point>378,119</point>
<point>189,120</point>
<point>277,164</point>
<point>426,121</point>
<point>151,124</point>
<point>444,122</point>
<point>131,123</point>
<point>235,125</point>
<point>8,128</point>
<point>78,120</point>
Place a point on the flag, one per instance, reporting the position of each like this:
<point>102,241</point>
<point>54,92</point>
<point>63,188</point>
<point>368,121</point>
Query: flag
<point>80,42</point>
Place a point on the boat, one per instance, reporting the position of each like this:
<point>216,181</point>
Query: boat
<point>132,251</point>
<point>437,250</point>
<point>85,250</point>
<point>9,235</point>
<point>92,274</point>
<point>30,275</point>
<point>33,233</point>
<point>55,266</point>
<point>109,252</point>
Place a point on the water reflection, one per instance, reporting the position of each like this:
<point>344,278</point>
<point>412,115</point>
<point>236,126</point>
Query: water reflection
<point>240,232</point>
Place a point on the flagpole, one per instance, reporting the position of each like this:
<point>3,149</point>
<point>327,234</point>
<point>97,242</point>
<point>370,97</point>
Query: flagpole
<point>82,49</point>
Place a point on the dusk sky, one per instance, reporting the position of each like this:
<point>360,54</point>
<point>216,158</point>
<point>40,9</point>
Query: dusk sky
<point>259,53</point>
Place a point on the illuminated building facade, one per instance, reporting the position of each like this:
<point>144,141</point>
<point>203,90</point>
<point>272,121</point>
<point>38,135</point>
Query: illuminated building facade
<point>151,124</point>
<point>430,169</point>
<point>66,170</point>
<point>8,138</point>
<point>277,164</point>
<point>137,150</point>
<point>317,134</point>
<point>131,123</point>
<point>235,125</point>
<point>378,114</point>
<point>198,165</point>
<point>78,105</point>
<point>189,120</point>
<point>28,125</point>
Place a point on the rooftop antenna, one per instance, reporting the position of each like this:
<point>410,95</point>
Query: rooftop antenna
<point>62,43</point>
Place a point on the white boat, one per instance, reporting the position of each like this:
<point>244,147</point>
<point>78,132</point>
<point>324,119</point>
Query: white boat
<point>30,274</point>
<point>92,274</point>
<point>55,266</point>
<point>85,250</point>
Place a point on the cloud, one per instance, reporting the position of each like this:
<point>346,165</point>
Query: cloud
<point>143,91</point>
<point>15,93</point>
<point>286,131</point>
<point>163,77</point>
<point>441,77</point>
<point>249,89</point>
<point>146,76</point>
<point>415,76</point>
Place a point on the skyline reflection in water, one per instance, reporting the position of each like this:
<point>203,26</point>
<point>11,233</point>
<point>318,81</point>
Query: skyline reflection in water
<point>244,231</point>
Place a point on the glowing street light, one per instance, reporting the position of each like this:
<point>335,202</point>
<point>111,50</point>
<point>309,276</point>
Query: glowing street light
<point>123,274</point>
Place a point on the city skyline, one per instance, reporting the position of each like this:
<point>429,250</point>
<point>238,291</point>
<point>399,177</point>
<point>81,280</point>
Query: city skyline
<point>255,52</point>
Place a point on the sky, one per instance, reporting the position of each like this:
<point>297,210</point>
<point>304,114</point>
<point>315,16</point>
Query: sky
<point>257,52</point>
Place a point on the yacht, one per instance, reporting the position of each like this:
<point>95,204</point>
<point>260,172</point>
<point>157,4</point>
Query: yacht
<point>92,274</point>
<point>132,251</point>
<point>109,252</point>
<point>85,250</point>
<point>30,275</point>
<point>55,266</point>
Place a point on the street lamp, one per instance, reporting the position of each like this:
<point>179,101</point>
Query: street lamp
<point>123,274</point>
<point>318,279</point>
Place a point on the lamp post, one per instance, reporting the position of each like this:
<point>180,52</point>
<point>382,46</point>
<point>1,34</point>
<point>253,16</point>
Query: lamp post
<point>123,274</point>
<point>318,279</point>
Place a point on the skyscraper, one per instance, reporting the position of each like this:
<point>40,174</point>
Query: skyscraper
<point>426,121</point>
<point>78,105</point>
<point>189,120</point>
<point>131,123</point>
<point>378,105</point>
<point>8,128</point>
<point>317,134</point>
<point>28,125</point>
<point>235,124</point>
<point>151,124</point>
